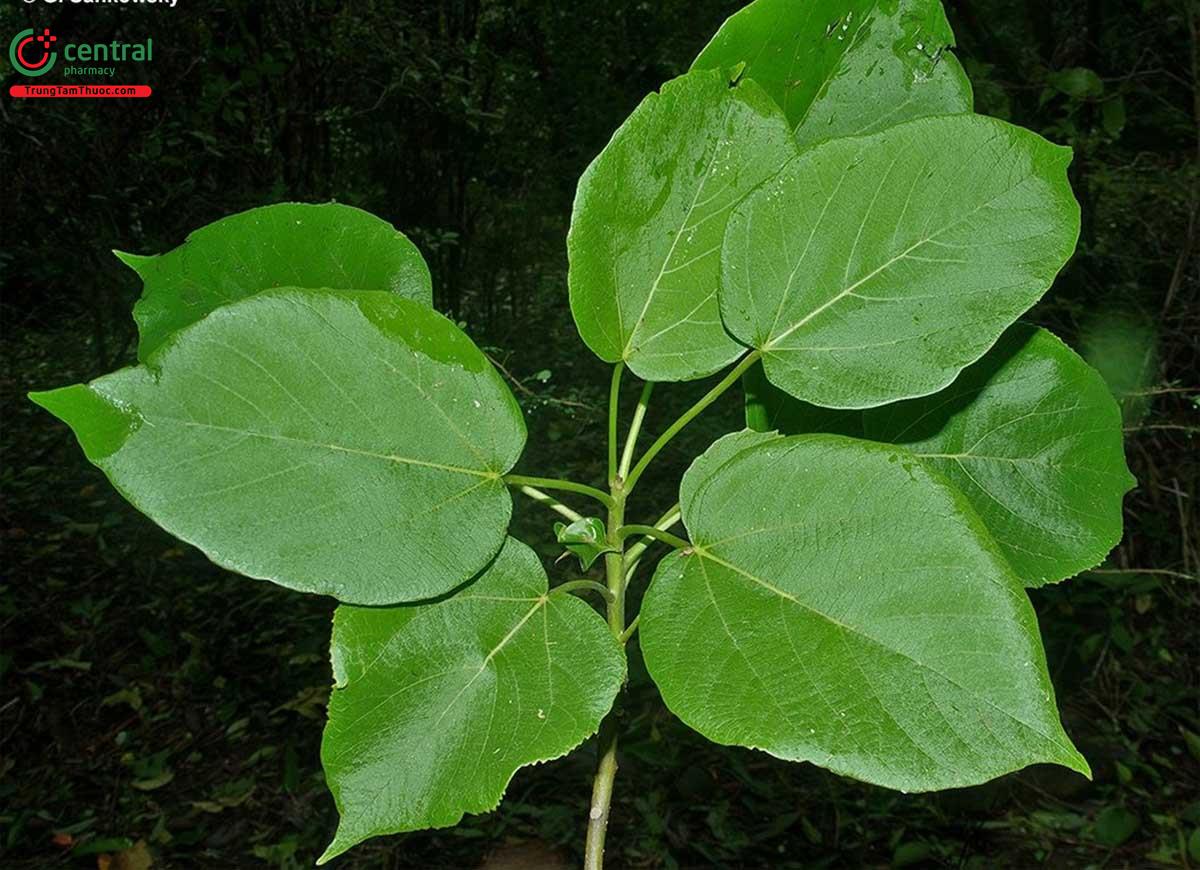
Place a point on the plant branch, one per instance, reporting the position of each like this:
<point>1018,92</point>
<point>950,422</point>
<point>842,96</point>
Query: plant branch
<point>614,396</point>
<point>1166,572</point>
<point>520,385</point>
<point>519,480</point>
<point>634,428</point>
<point>687,416</point>
<point>585,585</point>
<point>654,532</point>
<point>550,502</point>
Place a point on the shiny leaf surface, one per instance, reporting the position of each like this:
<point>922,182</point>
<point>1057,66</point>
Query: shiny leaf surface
<point>437,705</point>
<point>649,217</point>
<point>350,444</point>
<point>1029,434</point>
<point>844,605</point>
<point>845,68</point>
<point>875,268</point>
<point>286,245</point>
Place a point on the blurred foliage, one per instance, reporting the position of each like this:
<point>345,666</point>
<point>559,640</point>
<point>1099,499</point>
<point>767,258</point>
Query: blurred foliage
<point>1123,347</point>
<point>155,709</point>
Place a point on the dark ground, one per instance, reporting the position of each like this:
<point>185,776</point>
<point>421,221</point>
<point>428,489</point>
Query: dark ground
<point>154,705</point>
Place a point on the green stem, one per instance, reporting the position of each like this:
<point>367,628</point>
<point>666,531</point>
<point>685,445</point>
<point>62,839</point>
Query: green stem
<point>587,585</point>
<point>606,770</point>
<point>634,554</point>
<point>634,428</point>
<point>629,632</point>
<point>654,532</point>
<point>602,787</point>
<point>614,397</point>
<point>520,480</point>
<point>550,502</point>
<point>690,414</point>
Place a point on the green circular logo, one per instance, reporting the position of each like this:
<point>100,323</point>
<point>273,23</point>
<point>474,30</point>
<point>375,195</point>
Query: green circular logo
<point>33,55</point>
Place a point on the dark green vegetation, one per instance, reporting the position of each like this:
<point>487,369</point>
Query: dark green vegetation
<point>1118,642</point>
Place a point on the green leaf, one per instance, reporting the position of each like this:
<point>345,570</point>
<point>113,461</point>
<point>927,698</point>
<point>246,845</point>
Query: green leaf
<point>649,216</point>
<point>437,705</point>
<point>845,606</point>
<point>586,538</point>
<point>1123,346</point>
<point>718,453</point>
<point>1112,115</point>
<point>1115,825</point>
<point>286,245</point>
<point>1077,82</point>
<point>1029,434</point>
<point>875,268</point>
<point>345,443</point>
<point>845,68</point>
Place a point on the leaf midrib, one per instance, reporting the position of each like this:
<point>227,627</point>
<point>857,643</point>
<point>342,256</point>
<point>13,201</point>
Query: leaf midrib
<point>773,343</point>
<point>337,448</point>
<point>678,234</point>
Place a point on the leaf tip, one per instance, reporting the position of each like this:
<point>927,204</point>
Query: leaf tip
<point>100,426</point>
<point>133,261</point>
<point>1080,765</point>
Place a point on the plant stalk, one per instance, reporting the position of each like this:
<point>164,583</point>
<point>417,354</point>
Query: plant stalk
<point>602,786</point>
<point>606,770</point>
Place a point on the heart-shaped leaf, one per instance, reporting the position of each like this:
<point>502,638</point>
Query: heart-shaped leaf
<point>437,705</point>
<point>586,538</point>
<point>843,605</point>
<point>1029,434</point>
<point>875,268</point>
<point>345,443</point>
<point>291,244</point>
<point>649,216</point>
<point>841,68</point>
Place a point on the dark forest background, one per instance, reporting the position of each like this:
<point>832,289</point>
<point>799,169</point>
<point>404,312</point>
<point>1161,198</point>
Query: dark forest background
<point>154,708</point>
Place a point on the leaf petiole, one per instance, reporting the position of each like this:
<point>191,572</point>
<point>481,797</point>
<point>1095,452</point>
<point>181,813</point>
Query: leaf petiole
<point>614,396</point>
<point>654,532</point>
<point>690,414</point>
<point>634,428</point>
<point>519,480</point>
<point>550,502</point>
<point>634,554</point>
<point>585,586</point>
<point>631,630</point>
